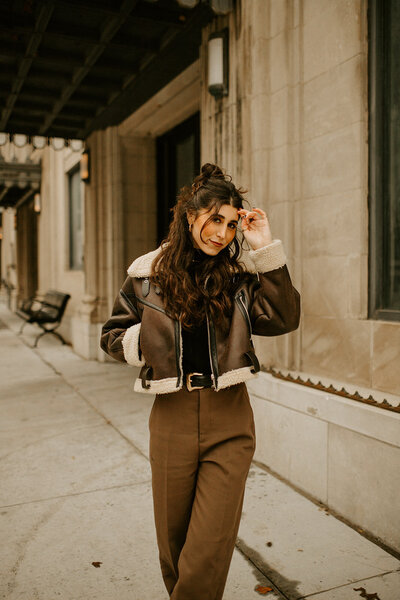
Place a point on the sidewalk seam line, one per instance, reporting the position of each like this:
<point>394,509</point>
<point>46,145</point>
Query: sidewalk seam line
<point>79,393</point>
<point>346,584</point>
<point>95,490</point>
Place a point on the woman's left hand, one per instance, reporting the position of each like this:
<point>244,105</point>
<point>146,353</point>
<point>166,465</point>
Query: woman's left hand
<point>255,227</point>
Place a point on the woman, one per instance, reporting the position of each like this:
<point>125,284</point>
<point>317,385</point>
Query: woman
<point>185,314</point>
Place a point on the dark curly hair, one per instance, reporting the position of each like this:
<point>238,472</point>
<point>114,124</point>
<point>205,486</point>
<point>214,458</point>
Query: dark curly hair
<point>187,291</point>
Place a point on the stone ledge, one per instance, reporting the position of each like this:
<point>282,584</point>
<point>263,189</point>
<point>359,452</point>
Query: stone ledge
<point>362,418</point>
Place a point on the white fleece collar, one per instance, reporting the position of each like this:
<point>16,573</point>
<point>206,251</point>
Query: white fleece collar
<point>141,267</point>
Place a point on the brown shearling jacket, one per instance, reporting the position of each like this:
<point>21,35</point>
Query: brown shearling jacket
<point>140,332</point>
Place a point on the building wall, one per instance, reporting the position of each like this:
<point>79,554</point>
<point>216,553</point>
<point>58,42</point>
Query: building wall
<point>139,195</point>
<point>294,131</point>
<point>53,235</point>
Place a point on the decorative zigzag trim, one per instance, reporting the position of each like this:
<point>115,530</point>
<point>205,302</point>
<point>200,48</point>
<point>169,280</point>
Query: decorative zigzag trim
<point>262,260</point>
<point>130,344</point>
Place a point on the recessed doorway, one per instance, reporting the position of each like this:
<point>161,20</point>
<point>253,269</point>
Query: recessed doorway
<point>178,161</point>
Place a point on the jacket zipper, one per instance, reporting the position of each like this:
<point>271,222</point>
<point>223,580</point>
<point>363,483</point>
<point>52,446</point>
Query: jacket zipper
<point>243,309</point>
<point>211,342</point>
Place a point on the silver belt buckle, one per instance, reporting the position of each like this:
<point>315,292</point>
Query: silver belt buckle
<point>189,385</point>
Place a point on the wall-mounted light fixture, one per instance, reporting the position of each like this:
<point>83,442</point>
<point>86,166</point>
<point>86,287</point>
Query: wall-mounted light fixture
<point>85,166</point>
<point>218,63</point>
<point>37,205</point>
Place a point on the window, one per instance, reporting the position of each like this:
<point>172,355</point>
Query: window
<point>384,158</point>
<point>75,220</point>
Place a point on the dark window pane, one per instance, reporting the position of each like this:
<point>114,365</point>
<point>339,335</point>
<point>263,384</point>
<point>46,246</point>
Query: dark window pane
<point>185,161</point>
<point>75,220</point>
<point>392,200</point>
<point>384,159</point>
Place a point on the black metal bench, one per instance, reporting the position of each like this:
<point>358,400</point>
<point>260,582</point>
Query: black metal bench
<point>46,312</point>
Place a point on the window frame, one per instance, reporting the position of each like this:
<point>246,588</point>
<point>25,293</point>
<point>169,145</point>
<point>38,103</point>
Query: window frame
<point>378,196</point>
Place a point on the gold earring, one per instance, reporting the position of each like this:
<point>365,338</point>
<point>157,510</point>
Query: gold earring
<point>190,227</point>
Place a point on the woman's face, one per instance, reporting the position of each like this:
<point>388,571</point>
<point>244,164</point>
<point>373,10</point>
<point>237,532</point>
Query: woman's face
<point>218,233</point>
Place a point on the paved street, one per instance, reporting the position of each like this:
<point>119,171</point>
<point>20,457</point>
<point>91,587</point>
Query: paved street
<point>76,508</point>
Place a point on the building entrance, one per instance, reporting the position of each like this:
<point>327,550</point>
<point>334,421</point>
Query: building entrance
<point>178,161</point>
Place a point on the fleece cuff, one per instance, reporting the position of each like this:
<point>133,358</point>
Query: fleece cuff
<point>130,344</point>
<point>268,257</point>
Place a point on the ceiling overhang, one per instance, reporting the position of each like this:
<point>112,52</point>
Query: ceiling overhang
<point>69,67</point>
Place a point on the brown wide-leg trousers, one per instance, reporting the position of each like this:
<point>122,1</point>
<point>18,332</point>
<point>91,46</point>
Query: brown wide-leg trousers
<point>201,446</point>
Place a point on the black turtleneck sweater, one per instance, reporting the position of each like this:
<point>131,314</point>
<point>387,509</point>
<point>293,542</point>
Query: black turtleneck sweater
<point>195,342</point>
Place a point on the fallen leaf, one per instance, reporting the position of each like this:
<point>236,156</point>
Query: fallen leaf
<point>97,564</point>
<point>262,589</point>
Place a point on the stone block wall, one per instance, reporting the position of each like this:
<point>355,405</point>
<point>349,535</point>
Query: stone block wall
<point>120,224</point>
<point>294,131</point>
<point>138,162</point>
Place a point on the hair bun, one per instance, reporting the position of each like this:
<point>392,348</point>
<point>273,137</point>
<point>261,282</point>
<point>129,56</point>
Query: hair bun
<point>210,170</point>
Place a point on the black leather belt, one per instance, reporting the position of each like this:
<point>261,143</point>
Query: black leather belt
<point>197,381</point>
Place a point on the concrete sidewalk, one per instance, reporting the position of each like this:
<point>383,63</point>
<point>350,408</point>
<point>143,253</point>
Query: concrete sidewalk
<point>76,507</point>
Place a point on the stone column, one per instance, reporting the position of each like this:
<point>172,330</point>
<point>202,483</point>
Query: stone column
<point>103,255</point>
<point>120,224</point>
